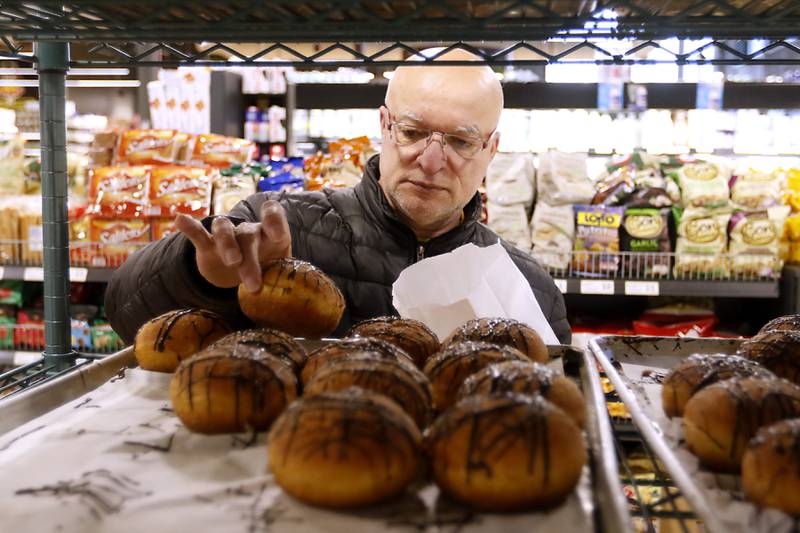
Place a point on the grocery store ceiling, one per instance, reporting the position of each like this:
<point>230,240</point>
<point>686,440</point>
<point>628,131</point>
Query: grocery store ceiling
<point>384,33</point>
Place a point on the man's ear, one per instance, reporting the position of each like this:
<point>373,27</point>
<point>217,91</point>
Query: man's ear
<point>384,114</point>
<point>494,144</point>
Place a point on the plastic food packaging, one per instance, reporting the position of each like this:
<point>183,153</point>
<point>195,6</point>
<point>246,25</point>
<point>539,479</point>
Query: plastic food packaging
<point>755,190</point>
<point>755,242</point>
<point>704,184</point>
<point>510,222</point>
<point>162,227</point>
<point>646,230</point>
<point>119,192</point>
<point>147,147</point>
<point>552,233</point>
<point>562,179</point>
<point>221,151</point>
<point>510,179</point>
<point>286,175</point>
<point>596,239</point>
<point>179,189</point>
<point>116,240</point>
<point>702,242</point>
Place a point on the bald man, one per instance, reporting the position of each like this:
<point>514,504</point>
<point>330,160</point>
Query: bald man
<point>417,199</point>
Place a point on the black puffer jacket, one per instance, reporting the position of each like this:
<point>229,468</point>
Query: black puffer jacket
<point>351,234</point>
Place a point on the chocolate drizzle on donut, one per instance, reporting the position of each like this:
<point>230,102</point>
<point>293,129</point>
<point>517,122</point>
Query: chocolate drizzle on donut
<point>169,321</point>
<point>521,377</point>
<point>410,335</point>
<point>788,322</point>
<point>347,348</point>
<point>497,424</point>
<point>352,421</point>
<point>270,341</point>
<point>503,331</point>
<point>777,350</point>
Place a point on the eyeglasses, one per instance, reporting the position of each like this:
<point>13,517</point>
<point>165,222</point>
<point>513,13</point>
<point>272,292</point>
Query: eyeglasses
<point>404,134</point>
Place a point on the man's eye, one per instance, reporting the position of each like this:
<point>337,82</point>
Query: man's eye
<point>460,143</point>
<point>411,134</point>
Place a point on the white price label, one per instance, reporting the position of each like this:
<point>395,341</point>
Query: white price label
<point>33,274</point>
<point>2,273</point>
<point>78,274</point>
<point>24,358</point>
<point>597,286</point>
<point>642,288</point>
<point>562,285</point>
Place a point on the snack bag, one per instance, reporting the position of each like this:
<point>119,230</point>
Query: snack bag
<point>755,190</point>
<point>791,195</point>
<point>701,244</point>
<point>119,192</point>
<point>755,242</point>
<point>105,339</point>
<point>596,239</point>
<point>563,179</point>
<point>12,160</point>
<point>179,189</point>
<point>510,222</point>
<point>286,175</point>
<point>646,230</point>
<point>704,184</point>
<point>147,147</point>
<point>509,179</point>
<point>221,151</point>
<point>116,240</point>
<point>29,333</point>
<point>162,227</point>
<point>552,233</point>
<point>7,321</point>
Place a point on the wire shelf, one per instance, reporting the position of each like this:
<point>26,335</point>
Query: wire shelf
<point>81,253</point>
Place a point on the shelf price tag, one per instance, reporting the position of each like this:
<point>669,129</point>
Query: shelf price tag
<point>562,285</point>
<point>597,286</point>
<point>25,358</point>
<point>78,274</point>
<point>642,288</point>
<point>33,274</point>
<point>2,273</point>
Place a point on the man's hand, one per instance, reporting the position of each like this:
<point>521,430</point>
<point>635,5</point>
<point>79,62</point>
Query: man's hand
<point>230,254</point>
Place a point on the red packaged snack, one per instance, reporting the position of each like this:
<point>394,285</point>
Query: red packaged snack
<point>115,240</point>
<point>221,152</point>
<point>163,227</point>
<point>29,333</point>
<point>177,189</point>
<point>148,147</point>
<point>118,192</point>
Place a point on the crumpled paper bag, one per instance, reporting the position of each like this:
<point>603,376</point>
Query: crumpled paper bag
<point>470,282</point>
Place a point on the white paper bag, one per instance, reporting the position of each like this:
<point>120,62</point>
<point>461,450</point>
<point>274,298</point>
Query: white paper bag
<point>470,282</point>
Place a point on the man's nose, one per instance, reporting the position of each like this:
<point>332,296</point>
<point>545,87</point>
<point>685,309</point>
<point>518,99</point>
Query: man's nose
<point>433,158</point>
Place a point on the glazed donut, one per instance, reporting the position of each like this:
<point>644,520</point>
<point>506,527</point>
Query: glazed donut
<point>503,331</point>
<point>344,449</point>
<point>701,370</point>
<point>338,350</point>
<point>771,467</point>
<point>506,452</point>
<point>214,392</point>
<point>414,337</point>
<point>721,419</point>
<point>529,378</point>
<point>267,341</point>
<point>788,322</point>
<point>778,351</point>
<point>295,297</point>
<point>163,342</point>
<point>448,369</point>
<point>407,386</point>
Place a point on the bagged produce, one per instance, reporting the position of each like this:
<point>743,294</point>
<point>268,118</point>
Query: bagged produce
<point>552,234</point>
<point>119,192</point>
<point>510,179</point>
<point>562,179</point>
<point>645,231</point>
<point>179,189</point>
<point>596,239</point>
<point>511,223</point>
<point>704,184</point>
<point>702,243</point>
<point>755,242</point>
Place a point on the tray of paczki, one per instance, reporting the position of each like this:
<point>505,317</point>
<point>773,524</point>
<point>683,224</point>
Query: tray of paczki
<point>723,415</point>
<point>255,430</point>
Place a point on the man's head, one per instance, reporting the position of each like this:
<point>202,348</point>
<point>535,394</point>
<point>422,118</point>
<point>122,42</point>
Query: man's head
<point>428,182</point>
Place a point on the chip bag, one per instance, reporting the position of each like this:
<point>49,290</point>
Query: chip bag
<point>701,244</point>
<point>179,189</point>
<point>119,192</point>
<point>755,190</point>
<point>704,184</point>
<point>116,240</point>
<point>755,242</point>
<point>221,151</point>
<point>147,147</point>
<point>596,239</point>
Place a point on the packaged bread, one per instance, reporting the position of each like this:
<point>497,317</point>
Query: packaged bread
<point>704,184</point>
<point>702,243</point>
<point>116,240</point>
<point>221,151</point>
<point>755,190</point>
<point>179,189</point>
<point>646,230</point>
<point>755,242</point>
<point>596,239</point>
<point>552,233</point>
<point>147,147</point>
<point>119,192</point>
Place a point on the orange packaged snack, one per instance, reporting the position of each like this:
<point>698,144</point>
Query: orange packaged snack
<point>118,192</point>
<point>221,152</point>
<point>148,147</point>
<point>163,227</point>
<point>178,189</point>
<point>116,240</point>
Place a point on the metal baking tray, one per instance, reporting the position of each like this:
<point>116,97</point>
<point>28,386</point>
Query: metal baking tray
<point>634,365</point>
<point>610,507</point>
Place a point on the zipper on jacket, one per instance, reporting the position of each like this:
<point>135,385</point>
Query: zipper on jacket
<point>420,252</point>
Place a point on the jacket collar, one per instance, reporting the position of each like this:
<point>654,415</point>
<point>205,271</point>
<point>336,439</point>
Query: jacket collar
<point>374,202</point>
